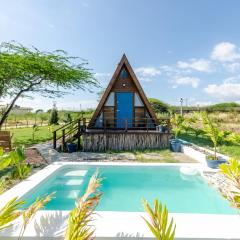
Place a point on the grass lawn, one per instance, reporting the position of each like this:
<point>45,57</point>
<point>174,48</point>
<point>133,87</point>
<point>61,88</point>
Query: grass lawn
<point>161,155</point>
<point>23,136</point>
<point>230,150</point>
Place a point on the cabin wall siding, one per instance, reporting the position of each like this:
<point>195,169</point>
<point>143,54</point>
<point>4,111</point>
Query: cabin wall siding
<point>124,141</point>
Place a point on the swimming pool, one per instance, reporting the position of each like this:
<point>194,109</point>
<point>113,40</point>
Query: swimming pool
<point>124,187</point>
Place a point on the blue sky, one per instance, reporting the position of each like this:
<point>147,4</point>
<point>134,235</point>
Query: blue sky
<point>184,48</point>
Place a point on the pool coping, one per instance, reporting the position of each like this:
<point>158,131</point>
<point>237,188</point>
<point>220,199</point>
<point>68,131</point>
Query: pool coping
<point>115,225</point>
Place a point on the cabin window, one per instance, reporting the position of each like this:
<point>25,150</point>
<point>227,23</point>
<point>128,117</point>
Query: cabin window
<point>137,101</point>
<point>111,100</point>
<point>108,113</point>
<point>150,121</point>
<point>140,119</point>
<point>124,73</point>
<point>99,121</point>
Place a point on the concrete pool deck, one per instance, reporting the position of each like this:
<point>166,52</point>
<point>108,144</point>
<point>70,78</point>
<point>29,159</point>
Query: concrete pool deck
<point>117,225</point>
<point>51,155</point>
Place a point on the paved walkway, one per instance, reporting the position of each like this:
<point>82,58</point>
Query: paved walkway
<point>51,155</point>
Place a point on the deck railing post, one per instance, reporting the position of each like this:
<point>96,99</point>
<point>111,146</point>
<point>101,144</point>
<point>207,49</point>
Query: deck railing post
<point>84,124</point>
<point>104,124</point>
<point>79,134</point>
<point>126,124</point>
<point>63,140</point>
<point>147,124</point>
<point>54,140</point>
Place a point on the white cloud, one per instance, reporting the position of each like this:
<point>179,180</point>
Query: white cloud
<point>232,67</point>
<point>102,75</point>
<point>228,90</point>
<point>193,81</point>
<point>145,79</point>
<point>200,65</point>
<point>147,71</point>
<point>225,52</point>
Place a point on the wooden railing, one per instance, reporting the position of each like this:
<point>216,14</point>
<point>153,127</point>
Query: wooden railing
<point>69,132</point>
<point>74,130</point>
<point>132,124</point>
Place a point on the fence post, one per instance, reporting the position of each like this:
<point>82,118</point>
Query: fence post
<point>79,134</point>
<point>105,123</point>
<point>126,124</point>
<point>84,124</point>
<point>63,140</point>
<point>54,140</point>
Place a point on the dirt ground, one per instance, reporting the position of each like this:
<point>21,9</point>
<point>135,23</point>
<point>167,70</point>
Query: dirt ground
<point>34,157</point>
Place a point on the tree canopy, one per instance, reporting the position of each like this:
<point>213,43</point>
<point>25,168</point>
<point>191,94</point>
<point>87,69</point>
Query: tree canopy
<point>158,106</point>
<point>29,70</point>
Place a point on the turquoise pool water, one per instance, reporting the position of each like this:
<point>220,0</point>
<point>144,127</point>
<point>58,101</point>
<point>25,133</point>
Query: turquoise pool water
<point>125,186</point>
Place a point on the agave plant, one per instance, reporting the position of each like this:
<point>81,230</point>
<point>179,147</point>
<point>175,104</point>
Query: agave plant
<point>79,218</point>
<point>232,172</point>
<point>9,213</point>
<point>158,224</point>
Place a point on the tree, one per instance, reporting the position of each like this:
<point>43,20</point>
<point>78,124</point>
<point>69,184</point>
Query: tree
<point>28,70</point>
<point>53,120</point>
<point>177,123</point>
<point>67,118</point>
<point>212,131</point>
<point>158,106</point>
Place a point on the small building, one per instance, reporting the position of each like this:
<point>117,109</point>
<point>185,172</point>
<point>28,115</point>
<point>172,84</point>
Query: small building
<point>124,119</point>
<point>17,109</point>
<point>124,104</point>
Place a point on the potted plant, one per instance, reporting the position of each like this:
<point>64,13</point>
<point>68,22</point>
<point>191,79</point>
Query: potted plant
<point>216,136</point>
<point>177,122</point>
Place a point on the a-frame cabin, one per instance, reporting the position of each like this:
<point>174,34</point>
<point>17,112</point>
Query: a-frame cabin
<point>124,104</point>
<point>124,119</point>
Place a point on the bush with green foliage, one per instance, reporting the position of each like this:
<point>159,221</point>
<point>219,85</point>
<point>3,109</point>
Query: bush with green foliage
<point>17,160</point>
<point>177,124</point>
<point>67,118</point>
<point>232,171</point>
<point>223,107</point>
<point>158,106</point>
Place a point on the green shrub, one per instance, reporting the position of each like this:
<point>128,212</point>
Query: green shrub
<point>53,120</point>
<point>158,106</point>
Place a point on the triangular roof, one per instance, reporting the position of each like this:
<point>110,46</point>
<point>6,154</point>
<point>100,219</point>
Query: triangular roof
<point>123,62</point>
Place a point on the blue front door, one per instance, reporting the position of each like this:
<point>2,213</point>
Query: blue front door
<point>124,109</point>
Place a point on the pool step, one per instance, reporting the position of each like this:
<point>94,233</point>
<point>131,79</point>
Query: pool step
<point>68,182</point>
<point>76,173</point>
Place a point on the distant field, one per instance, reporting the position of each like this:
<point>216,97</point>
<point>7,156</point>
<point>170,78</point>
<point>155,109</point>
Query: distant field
<point>41,119</point>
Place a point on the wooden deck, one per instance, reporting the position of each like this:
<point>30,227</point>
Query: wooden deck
<point>103,139</point>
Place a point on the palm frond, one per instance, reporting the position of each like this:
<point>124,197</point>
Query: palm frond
<point>82,215</point>
<point>158,221</point>
<point>30,212</point>
<point>9,213</point>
